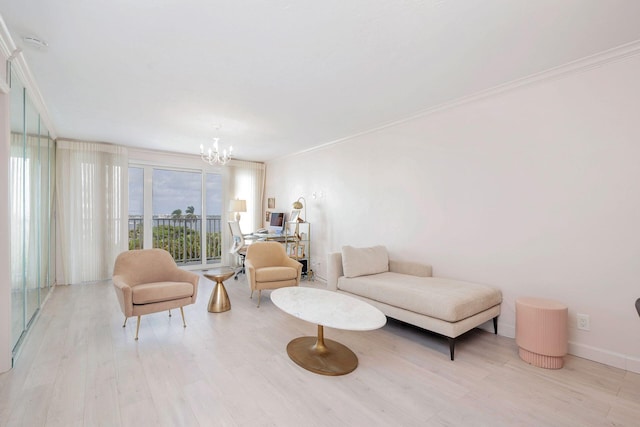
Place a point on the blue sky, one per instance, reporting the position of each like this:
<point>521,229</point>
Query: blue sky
<point>174,190</point>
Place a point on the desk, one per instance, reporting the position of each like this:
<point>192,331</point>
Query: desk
<point>265,236</point>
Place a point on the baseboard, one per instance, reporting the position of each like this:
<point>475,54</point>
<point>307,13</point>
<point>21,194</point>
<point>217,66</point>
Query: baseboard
<point>610,358</point>
<point>508,331</point>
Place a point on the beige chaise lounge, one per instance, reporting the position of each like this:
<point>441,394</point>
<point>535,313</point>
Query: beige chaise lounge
<point>407,292</point>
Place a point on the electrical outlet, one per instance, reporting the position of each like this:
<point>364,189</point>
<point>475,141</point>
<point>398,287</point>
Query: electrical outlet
<point>583,322</point>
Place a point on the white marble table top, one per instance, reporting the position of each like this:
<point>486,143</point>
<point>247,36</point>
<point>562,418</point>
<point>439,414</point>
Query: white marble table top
<point>328,308</point>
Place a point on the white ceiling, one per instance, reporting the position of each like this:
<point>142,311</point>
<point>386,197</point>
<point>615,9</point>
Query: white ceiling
<point>281,76</point>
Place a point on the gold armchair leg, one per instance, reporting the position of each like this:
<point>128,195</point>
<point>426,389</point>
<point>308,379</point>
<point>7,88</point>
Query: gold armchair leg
<point>137,328</point>
<point>259,295</point>
<point>125,322</point>
<point>184,324</point>
<point>251,296</point>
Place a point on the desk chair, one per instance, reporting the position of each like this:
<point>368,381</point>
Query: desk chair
<point>238,246</point>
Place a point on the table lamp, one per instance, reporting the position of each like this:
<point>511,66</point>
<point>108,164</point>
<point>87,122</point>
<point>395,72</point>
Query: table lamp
<point>238,206</point>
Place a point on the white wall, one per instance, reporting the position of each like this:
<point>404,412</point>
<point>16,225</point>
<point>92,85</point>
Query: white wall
<point>534,190</point>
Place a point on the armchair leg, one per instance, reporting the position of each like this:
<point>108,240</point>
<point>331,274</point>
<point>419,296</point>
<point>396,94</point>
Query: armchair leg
<point>251,296</point>
<point>184,324</point>
<point>137,328</point>
<point>125,322</point>
<point>259,295</point>
<point>169,313</point>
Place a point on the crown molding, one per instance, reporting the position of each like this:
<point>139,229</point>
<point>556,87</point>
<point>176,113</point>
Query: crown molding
<point>615,54</point>
<point>6,42</point>
<point>19,64</point>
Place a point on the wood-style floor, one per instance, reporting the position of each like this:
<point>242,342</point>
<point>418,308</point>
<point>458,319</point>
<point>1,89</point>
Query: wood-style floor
<point>78,366</point>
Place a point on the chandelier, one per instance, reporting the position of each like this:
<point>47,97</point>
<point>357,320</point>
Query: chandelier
<point>213,156</point>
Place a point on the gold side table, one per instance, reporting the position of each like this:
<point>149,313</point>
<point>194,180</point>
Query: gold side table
<point>219,300</point>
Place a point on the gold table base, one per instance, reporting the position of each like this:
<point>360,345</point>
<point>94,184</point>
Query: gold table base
<point>219,299</point>
<point>325,357</point>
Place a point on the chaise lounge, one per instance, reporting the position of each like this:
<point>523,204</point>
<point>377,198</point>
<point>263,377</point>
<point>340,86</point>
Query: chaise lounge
<point>407,291</point>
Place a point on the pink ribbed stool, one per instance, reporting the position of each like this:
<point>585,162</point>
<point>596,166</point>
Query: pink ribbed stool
<point>541,332</point>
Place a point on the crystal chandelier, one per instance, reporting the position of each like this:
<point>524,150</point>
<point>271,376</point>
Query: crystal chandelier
<point>213,156</point>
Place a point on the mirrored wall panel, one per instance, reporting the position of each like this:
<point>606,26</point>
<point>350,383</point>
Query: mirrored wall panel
<point>32,189</point>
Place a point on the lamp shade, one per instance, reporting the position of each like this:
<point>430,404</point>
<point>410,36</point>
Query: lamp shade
<point>238,205</point>
<point>299,205</point>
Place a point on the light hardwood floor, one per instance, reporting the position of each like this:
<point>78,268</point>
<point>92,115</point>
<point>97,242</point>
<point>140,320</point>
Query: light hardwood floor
<point>78,366</point>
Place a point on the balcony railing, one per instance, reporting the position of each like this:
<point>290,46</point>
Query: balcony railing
<point>180,236</point>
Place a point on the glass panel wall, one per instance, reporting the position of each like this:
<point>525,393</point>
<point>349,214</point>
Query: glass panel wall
<point>17,200</point>
<point>32,177</point>
<point>31,213</point>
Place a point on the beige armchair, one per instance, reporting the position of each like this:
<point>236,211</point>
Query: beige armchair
<point>148,280</point>
<point>269,267</point>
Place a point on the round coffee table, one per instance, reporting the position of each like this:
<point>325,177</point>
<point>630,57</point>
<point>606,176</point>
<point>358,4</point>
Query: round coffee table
<point>331,309</point>
<point>219,300</point>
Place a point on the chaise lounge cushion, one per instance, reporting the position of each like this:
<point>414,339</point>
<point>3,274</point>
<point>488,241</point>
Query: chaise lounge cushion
<point>441,298</point>
<point>364,261</point>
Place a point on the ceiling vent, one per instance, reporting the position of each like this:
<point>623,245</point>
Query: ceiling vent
<point>34,41</point>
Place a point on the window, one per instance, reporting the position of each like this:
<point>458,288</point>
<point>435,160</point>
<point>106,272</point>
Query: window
<point>175,222</point>
<point>136,208</point>
<point>177,219</point>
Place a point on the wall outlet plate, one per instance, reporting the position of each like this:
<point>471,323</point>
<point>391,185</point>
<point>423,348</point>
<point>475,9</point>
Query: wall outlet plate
<point>584,323</point>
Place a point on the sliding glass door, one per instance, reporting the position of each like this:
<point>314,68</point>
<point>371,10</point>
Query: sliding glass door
<point>213,231</point>
<point>177,220</point>
<point>173,220</point>
<point>136,208</point>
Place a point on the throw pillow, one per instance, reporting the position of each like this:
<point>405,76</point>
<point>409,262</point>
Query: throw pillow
<point>364,261</point>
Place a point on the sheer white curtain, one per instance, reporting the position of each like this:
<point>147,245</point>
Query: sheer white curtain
<point>242,180</point>
<point>92,197</point>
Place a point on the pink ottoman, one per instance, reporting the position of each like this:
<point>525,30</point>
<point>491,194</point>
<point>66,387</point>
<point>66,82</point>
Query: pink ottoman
<point>541,332</point>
